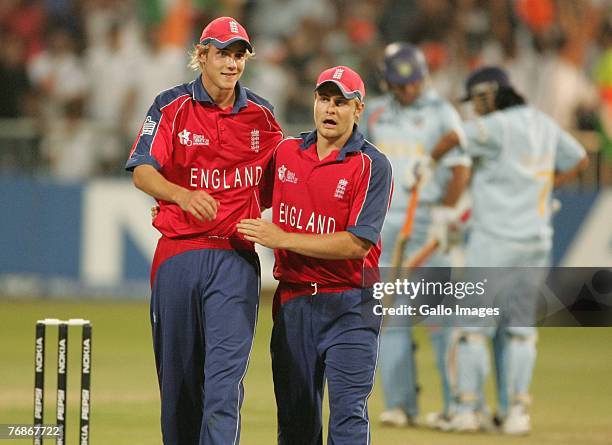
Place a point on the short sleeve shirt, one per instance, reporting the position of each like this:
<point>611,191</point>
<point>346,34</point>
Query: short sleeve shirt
<point>517,152</point>
<point>199,146</point>
<point>350,190</point>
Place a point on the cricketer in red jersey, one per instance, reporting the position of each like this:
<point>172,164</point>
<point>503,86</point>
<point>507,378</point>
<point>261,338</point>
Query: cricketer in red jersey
<point>201,152</point>
<point>331,193</point>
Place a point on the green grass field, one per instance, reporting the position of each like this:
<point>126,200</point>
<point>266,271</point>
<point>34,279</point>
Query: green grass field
<point>572,386</point>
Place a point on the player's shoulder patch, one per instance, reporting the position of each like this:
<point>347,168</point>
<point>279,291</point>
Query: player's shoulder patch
<point>256,98</point>
<point>168,96</point>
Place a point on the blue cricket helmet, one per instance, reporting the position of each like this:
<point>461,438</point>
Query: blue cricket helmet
<point>404,63</point>
<point>488,77</point>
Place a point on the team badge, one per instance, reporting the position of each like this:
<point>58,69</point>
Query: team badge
<point>188,138</point>
<point>255,141</point>
<point>286,175</point>
<point>341,188</point>
<point>184,137</point>
<point>148,127</point>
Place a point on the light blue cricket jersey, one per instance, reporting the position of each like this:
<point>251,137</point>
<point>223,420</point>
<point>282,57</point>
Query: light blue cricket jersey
<point>516,152</point>
<point>405,134</point>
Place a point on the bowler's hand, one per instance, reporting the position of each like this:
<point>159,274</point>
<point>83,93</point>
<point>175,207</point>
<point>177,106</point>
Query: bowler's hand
<point>263,232</point>
<point>154,212</point>
<point>198,203</point>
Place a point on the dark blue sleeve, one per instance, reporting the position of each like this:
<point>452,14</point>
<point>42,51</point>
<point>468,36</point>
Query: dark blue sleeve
<point>372,197</point>
<point>153,145</point>
<point>142,150</point>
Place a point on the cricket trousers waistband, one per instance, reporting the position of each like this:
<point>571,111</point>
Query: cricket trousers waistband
<point>288,291</point>
<point>169,247</point>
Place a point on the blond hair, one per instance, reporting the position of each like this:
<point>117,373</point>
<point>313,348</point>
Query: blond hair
<point>199,50</point>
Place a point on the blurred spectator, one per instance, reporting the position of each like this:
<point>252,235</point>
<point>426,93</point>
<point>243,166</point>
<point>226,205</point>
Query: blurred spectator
<point>99,49</point>
<point>26,20</point>
<point>358,23</point>
<point>357,37</point>
<point>66,13</point>
<point>100,17</point>
<point>564,87</point>
<point>113,69</point>
<point>564,90</point>
<point>539,15</point>
<point>306,57</point>
<point>58,9</point>
<point>397,18</point>
<point>416,21</point>
<point>267,75</point>
<point>276,18</point>
<point>57,73</point>
<point>446,77</point>
<point>158,66</point>
<point>13,77</point>
<point>71,145</point>
<point>603,77</point>
<point>472,29</point>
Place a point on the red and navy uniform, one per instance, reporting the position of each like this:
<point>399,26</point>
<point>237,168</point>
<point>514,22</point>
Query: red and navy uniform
<point>350,190</point>
<point>197,145</point>
<point>324,324</point>
<point>205,277</point>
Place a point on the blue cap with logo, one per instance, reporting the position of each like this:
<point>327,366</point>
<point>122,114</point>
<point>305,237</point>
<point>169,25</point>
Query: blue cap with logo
<point>404,63</point>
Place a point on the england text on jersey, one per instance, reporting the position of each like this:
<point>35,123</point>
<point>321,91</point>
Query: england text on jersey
<point>197,145</point>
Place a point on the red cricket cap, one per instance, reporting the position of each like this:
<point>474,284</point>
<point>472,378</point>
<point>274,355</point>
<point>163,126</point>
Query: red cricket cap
<point>346,79</point>
<point>224,31</point>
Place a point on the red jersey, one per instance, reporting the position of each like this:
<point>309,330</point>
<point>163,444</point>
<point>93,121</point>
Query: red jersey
<point>350,190</point>
<point>197,145</point>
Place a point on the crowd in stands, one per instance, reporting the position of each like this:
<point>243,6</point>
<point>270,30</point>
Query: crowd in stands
<point>86,71</point>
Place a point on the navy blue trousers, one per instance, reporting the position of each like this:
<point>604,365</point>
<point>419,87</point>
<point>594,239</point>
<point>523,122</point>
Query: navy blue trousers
<point>203,313</point>
<point>329,337</point>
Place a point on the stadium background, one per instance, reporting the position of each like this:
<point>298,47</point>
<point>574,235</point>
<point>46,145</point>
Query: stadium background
<point>76,78</point>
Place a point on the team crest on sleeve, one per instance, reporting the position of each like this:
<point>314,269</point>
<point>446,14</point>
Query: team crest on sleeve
<point>341,188</point>
<point>148,127</point>
<point>286,175</point>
